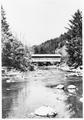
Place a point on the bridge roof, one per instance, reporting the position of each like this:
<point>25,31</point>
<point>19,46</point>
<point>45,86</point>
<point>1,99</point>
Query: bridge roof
<point>46,55</point>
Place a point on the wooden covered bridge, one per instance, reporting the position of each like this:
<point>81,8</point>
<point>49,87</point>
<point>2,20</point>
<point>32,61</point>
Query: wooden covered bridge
<point>46,58</point>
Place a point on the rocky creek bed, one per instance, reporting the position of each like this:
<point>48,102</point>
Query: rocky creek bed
<point>25,94</point>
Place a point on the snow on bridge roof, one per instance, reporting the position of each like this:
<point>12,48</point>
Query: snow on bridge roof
<point>46,55</point>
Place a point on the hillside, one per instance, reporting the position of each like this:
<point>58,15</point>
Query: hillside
<point>50,46</point>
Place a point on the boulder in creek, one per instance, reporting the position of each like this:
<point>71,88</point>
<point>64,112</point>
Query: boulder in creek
<point>45,111</point>
<point>72,88</point>
<point>60,86</point>
<point>81,99</point>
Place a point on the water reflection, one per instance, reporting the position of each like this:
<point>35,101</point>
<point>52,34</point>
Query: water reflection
<point>36,96</point>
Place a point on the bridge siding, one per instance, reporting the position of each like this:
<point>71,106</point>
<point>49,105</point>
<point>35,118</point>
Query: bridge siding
<point>46,58</point>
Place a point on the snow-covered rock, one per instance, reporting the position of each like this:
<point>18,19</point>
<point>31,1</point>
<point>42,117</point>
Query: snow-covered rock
<point>72,74</point>
<point>45,111</point>
<point>7,89</point>
<point>72,88</point>
<point>60,86</point>
<point>13,73</point>
<point>10,81</point>
<point>81,99</point>
<point>64,67</point>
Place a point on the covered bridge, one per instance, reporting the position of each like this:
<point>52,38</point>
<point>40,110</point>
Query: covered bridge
<point>52,58</point>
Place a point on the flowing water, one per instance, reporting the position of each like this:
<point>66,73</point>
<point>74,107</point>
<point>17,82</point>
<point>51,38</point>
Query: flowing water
<point>21,98</point>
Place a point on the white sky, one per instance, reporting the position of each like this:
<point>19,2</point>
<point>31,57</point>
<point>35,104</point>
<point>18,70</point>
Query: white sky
<point>35,21</point>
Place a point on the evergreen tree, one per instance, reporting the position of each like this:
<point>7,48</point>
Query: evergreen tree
<point>74,36</point>
<point>75,25</point>
<point>4,24</point>
<point>6,39</point>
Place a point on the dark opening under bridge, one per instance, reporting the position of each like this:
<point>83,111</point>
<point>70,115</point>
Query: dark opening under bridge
<point>52,58</point>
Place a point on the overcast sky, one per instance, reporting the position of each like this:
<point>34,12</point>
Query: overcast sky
<point>35,21</point>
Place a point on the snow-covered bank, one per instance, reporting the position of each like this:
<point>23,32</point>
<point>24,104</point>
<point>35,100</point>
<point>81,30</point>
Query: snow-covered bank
<point>12,75</point>
<point>73,72</point>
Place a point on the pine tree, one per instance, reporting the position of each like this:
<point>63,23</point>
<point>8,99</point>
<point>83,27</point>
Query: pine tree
<point>75,25</point>
<point>4,24</point>
<point>74,36</point>
<point>6,39</point>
